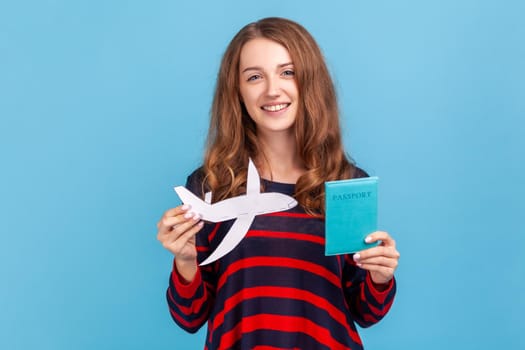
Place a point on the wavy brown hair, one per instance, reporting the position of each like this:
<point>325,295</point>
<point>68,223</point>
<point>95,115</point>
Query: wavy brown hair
<point>232,136</point>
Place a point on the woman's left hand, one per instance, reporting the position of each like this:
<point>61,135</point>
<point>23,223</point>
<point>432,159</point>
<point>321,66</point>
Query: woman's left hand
<point>381,261</point>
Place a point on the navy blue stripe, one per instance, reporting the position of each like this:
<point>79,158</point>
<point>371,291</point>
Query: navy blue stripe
<point>286,307</point>
<point>277,339</point>
<point>280,277</point>
<point>311,226</point>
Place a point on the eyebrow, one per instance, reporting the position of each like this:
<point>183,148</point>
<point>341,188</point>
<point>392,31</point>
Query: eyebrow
<point>259,68</point>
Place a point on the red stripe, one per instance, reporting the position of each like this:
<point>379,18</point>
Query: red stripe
<point>290,324</point>
<point>340,262</point>
<point>370,318</point>
<point>287,235</point>
<point>206,248</point>
<point>185,290</point>
<point>213,232</point>
<point>203,249</point>
<point>375,310</point>
<point>195,323</point>
<point>265,347</point>
<point>380,312</point>
<point>349,259</point>
<point>379,296</point>
<point>376,313</point>
<point>286,293</point>
<point>279,262</point>
<point>187,310</point>
<point>291,215</point>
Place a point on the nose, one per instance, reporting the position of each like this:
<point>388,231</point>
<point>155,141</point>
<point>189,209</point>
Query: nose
<point>272,87</point>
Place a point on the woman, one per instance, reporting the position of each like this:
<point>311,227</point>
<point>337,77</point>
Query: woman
<point>274,103</point>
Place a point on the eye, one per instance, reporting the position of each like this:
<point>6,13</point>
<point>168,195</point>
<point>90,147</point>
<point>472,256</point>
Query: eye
<point>253,77</point>
<point>288,73</point>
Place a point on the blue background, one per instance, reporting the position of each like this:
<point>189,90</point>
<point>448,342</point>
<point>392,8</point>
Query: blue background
<point>104,107</point>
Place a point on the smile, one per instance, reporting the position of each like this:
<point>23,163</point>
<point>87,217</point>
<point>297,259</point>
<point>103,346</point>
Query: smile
<point>275,108</point>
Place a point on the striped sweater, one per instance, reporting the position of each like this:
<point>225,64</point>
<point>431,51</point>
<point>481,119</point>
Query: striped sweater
<point>276,289</point>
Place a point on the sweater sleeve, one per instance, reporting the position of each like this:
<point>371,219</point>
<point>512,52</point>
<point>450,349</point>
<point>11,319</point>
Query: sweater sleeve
<point>190,303</point>
<point>367,304</point>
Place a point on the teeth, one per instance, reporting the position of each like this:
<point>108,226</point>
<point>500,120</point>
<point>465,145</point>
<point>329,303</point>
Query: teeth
<point>275,108</point>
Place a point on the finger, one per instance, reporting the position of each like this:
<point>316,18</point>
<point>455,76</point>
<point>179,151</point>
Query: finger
<point>175,238</point>
<point>186,222</point>
<point>382,236</point>
<point>389,252</point>
<point>192,232</point>
<point>172,231</point>
<point>178,210</point>
<point>190,220</point>
<point>166,225</point>
<point>379,261</point>
<point>183,239</point>
<point>173,217</point>
<point>181,209</point>
<point>173,221</point>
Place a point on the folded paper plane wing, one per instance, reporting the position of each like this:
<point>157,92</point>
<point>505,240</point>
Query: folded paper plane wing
<point>234,236</point>
<point>242,208</point>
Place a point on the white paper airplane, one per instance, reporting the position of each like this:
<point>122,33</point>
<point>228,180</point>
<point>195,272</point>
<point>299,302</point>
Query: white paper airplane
<point>243,208</point>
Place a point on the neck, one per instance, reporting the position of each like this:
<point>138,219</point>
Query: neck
<point>279,161</point>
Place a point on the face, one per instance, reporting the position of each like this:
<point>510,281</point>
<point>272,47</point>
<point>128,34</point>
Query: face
<point>267,85</point>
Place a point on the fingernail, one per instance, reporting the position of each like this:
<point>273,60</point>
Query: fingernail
<point>368,239</point>
<point>188,215</point>
<point>185,207</point>
<point>196,217</point>
<point>357,256</point>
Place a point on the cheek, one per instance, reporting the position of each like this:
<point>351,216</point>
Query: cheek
<point>248,103</point>
<point>244,96</point>
<point>294,91</point>
<point>250,99</point>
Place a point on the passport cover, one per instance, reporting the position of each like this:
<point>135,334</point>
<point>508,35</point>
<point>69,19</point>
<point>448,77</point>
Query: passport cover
<point>351,214</point>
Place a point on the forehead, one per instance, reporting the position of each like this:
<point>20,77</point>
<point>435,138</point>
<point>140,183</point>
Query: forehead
<point>263,53</point>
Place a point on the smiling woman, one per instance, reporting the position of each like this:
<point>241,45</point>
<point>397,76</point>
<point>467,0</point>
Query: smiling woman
<point>274,103</point>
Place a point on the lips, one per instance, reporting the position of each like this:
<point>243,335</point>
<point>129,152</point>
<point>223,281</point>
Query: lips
<point>275,107</point>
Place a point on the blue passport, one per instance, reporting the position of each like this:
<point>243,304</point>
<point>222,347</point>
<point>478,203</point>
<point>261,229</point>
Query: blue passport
<point>351,214</point>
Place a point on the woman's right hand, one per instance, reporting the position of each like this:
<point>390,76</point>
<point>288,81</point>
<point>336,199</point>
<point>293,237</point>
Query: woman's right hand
<point>176,232</point>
